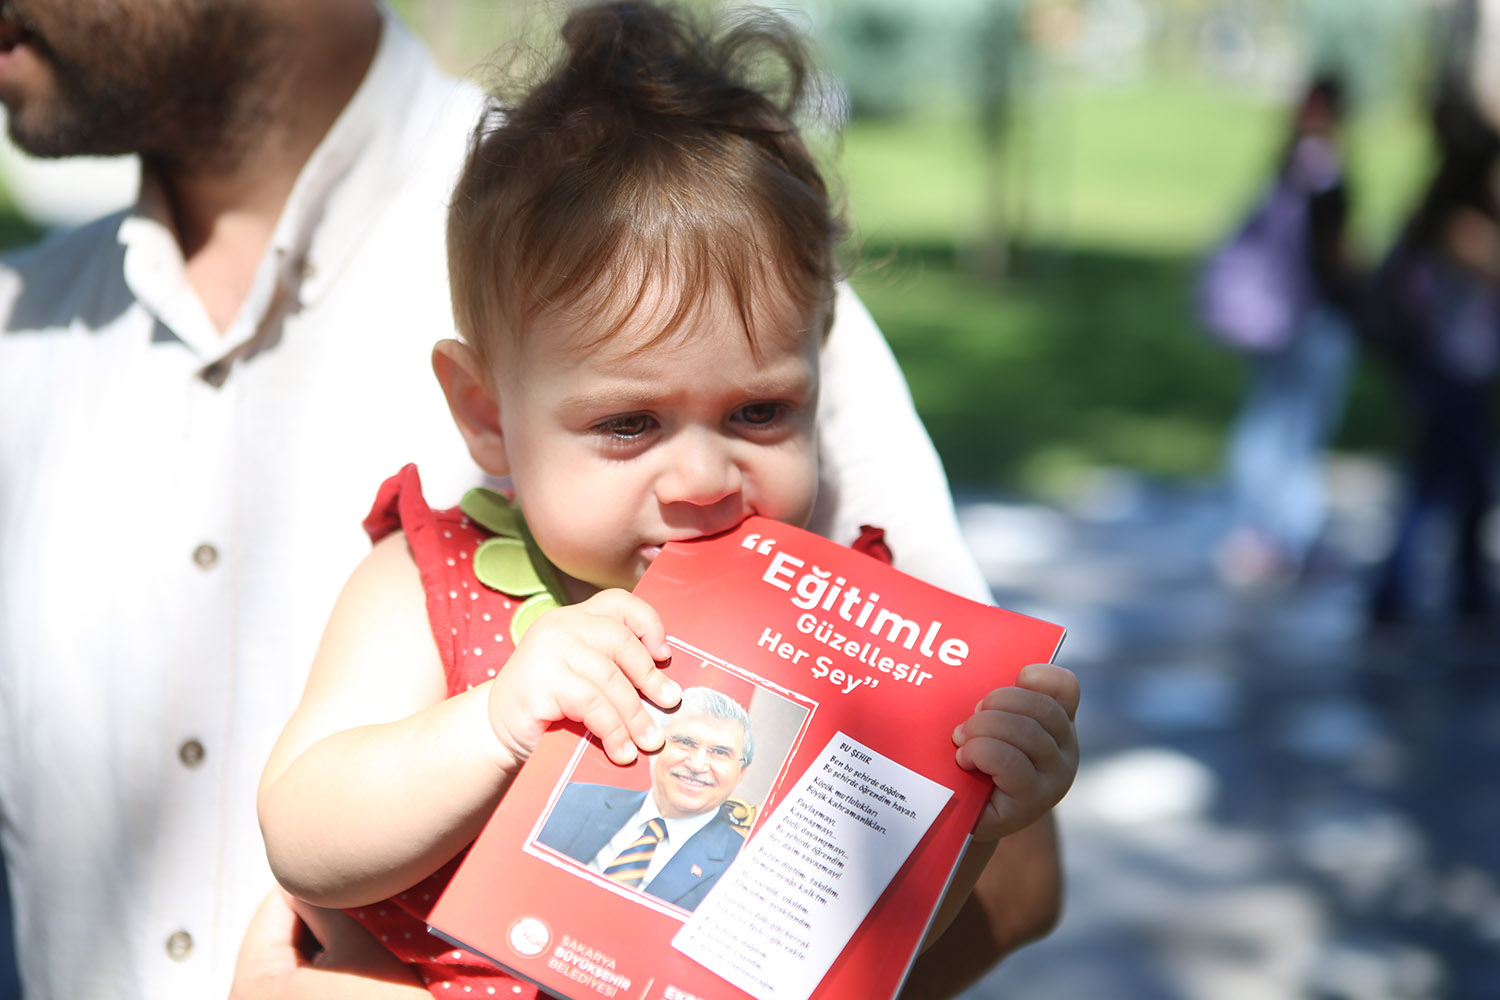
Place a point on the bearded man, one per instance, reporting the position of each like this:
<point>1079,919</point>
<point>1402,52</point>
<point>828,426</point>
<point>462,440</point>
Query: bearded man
<point>199,396</point>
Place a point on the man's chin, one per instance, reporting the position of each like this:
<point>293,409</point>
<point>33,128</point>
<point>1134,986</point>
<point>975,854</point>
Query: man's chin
<point>51,136</point>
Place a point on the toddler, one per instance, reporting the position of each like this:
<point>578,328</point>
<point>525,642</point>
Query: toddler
<point>642,255</point>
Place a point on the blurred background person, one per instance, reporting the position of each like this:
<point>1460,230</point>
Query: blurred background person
<point>1299,369</point>
<point>1437,313</point>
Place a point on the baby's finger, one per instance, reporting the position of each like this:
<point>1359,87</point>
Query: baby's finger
<point>1011,770</point>
<point>601,699</point>
<point>626,672</point>
<point>649,635</point>
<point>638,616</point>
<point>1045,709</point>
<point>1002,816</point>
<point>611,662</point>
<point>1025,735</point>
<point>1051,679</point>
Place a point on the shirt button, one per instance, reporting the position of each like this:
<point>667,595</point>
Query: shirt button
<point>205,556</point>
<point>179,945</point>
<point>190,753</point>
<point>217,373</point>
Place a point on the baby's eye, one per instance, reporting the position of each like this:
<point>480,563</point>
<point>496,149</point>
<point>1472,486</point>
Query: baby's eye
<point>761,413</point>
<point>632,426</point>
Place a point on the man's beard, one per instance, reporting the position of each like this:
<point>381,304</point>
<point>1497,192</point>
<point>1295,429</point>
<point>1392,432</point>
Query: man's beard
<point>184,88</point>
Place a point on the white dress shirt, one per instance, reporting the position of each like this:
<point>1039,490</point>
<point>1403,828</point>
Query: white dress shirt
<point>170,549</point>
<point>179,507</point>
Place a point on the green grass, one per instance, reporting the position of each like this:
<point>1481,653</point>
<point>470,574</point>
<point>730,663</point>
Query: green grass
<point>1082,351</point>
<point>1078,361</point>
<point>15,229</point>
<point>1160,166</point>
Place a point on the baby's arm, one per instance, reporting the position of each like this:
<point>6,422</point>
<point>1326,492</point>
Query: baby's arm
<point>378,778</point>
<point>1007,889</point>
<point>349,963</point>
<point>1016,900</point>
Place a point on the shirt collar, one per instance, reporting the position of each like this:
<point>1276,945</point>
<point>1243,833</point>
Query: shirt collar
<point>332,205</point>
<point>354,170</point>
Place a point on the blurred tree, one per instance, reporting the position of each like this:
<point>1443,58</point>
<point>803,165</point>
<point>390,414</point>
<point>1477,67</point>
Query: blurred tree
<point>1000,42</point>
<point>1484,56</point>
<point>465,34</point>
<point>1344,35</point>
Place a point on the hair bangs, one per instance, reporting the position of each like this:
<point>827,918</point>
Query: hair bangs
<point>646,167</point>
<point>689,235</point>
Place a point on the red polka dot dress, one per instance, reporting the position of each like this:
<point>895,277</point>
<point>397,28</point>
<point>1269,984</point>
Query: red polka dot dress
<point>471,623</point>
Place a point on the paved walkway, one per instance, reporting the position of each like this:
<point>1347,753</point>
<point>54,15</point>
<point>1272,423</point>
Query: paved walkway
<point>1275,803</point>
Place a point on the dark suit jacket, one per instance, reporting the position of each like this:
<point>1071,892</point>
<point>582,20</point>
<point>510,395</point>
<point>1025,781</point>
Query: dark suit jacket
<point>587,816</point>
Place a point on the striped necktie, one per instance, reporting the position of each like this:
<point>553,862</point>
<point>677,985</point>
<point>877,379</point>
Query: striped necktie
<point>629,866</point>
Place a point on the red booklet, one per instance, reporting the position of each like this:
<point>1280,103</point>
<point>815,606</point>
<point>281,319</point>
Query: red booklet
<point>795,835</point>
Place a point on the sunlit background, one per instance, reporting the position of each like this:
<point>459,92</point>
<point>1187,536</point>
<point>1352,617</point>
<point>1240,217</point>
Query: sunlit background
<point>1275,803</point>
<point>1031,182</point>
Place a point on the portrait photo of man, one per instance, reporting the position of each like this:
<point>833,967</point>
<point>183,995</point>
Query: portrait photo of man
<point>674,839</point>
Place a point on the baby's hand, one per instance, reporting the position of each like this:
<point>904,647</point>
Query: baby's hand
<point>1023,737</point>
<point>586,662</point>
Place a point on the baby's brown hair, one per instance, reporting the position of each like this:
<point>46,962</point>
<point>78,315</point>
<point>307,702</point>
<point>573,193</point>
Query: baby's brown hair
<point>645,155</point>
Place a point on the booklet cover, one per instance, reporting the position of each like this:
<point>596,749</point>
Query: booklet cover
<point>795,835</point>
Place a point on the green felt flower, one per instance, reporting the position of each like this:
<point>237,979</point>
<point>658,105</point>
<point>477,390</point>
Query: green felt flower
<point>510,562</point>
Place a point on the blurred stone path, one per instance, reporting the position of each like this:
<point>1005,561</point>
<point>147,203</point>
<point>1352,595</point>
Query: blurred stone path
<point>1275,802</point>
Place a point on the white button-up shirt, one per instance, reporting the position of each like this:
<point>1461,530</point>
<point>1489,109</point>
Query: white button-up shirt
<point>179,507</point>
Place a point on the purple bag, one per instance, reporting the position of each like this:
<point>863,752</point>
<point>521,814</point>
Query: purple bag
<point>1254,288</point>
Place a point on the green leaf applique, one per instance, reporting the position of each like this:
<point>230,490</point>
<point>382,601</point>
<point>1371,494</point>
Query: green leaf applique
<point>510,563</point>
<point>503,564</point>
<point>491,510</point>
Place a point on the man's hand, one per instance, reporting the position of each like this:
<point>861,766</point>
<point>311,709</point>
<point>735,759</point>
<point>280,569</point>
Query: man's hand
<point>292,951</point>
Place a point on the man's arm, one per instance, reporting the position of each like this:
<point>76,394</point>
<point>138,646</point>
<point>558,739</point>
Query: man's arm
<point>1017,899</point>
<point>346,964</point>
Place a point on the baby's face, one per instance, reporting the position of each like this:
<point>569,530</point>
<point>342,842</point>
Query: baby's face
<point>616,450</point>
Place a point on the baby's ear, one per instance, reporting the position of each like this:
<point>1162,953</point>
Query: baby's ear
<point>473,402</point>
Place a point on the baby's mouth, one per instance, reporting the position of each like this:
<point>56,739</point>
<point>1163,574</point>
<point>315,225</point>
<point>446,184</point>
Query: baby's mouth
<point>653,549</point>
